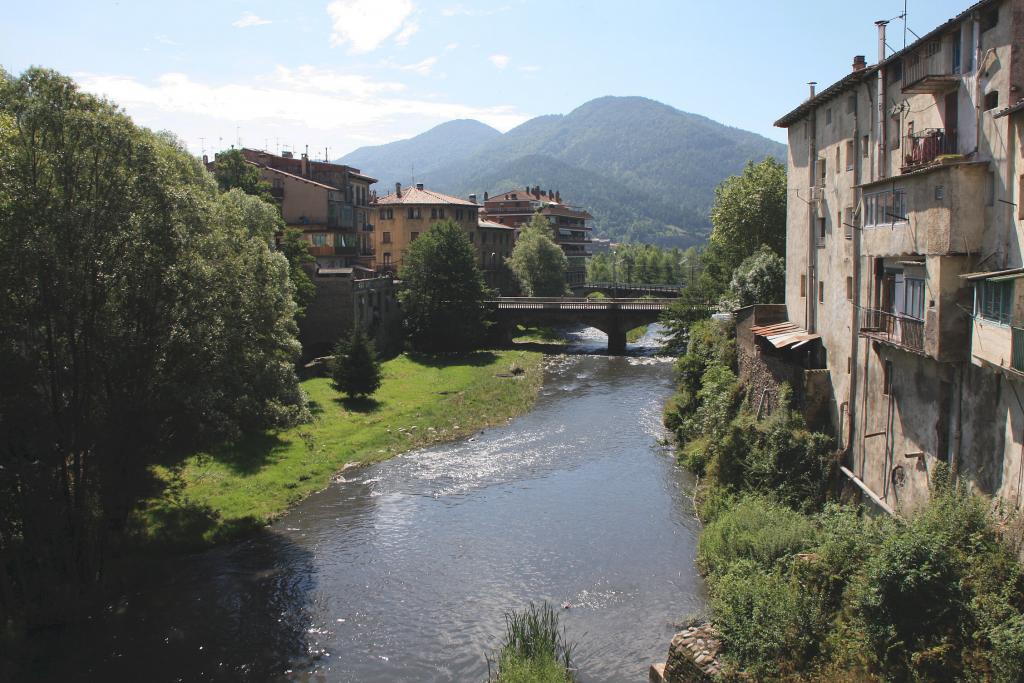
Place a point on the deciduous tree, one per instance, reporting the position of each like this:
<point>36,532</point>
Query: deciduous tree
<point>537,262</point>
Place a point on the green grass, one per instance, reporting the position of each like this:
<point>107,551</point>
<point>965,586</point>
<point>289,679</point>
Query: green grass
<point>539,335</point>
<point>424,400</point>
<point>636,334</point>
<point>535,649</point>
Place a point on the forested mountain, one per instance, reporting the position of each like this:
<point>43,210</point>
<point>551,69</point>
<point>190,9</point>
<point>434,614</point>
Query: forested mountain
<point>441,145</point>
<point>645,170</point>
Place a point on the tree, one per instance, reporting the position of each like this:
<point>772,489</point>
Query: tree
<point>296,250</point>
<point>232,171</point>
<point>142,315</point>
<point>356,370</point>
<point>443,291</point>
<point>537,262</point>
<point>760,279</point>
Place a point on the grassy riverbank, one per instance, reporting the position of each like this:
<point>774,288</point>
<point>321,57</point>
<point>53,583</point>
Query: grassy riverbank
<point>424,400</point>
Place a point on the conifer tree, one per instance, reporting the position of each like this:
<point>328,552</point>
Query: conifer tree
<point>357,371</point>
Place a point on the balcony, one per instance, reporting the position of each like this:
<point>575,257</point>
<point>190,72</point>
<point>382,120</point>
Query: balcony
<point>925,74</point>
<point>899,330</point>
<point>346,251</point>
<point>924,147</point>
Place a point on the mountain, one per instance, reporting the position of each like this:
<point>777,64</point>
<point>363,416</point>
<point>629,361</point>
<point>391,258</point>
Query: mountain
<point>440,146</point>
<point>645,170</point>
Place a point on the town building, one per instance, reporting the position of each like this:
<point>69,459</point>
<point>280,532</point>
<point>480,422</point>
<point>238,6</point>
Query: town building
<point>571,226</point>
<point>329,202</point>
<point>401,217</point>
<point>904,260</point>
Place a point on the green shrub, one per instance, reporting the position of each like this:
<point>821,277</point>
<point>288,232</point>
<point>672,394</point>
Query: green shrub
<point>755,529</point>
<point>535,649</point>
<point>356,371</point>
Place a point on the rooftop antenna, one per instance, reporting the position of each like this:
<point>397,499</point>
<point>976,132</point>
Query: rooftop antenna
<point>277,144</point>
<point>904,24</point>
<point>326,153</point>
<point>202,144</point>
<point>238,137</point>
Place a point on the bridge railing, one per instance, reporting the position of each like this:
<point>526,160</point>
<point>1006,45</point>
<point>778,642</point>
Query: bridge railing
<point>579,304</point>
<point>632,286</point>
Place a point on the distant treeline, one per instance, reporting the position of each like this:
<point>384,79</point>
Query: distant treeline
<point>645,264</point>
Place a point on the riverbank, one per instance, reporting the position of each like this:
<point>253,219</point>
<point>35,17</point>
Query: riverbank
<point>217,496</point>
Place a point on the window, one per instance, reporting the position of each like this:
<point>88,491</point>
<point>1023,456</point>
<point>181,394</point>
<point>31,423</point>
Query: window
<point>387,258</point>
<point>940,193</point>
<point>991,198</point>
<point>821,232</point>
<point>955,47</point>
<point>319,239</point>
<point>828,116</point>
<point>821,171</point>
<point>885,208</point>
<point>458,214</point>
<point>993,301</point>
<point>471,237</point>
<point>851,104</point>
<point>821,292</point>
<point>887,378</point>
<point>839,161</point>
<point>848,223</point>
<point>850,154</point>
<point>437,213</point>
<point>413,236</point>
<point>913,297</point>
<point>385,238</point>
<point>412,212</point>
<point>864,146</point>
<point>849,364</point>
<point>849,287</point>
<point>387,214</point>
<point>991,100</point>
<point>803,286</point>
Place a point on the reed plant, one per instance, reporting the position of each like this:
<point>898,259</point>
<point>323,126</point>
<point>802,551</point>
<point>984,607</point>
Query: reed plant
<point>535,649</point>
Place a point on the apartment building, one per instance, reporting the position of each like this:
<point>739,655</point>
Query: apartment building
<point>904,257</point>
<point>329,202</point>
<point>401,217</point>
<point>570,225</point>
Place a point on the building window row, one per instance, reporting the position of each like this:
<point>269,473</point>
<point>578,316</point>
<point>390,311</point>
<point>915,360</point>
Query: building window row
<point>993,301</point>
<point>885,208</point>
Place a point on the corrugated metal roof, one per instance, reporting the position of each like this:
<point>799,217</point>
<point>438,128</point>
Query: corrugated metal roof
<point>781,335</point>
<point>994,274</point>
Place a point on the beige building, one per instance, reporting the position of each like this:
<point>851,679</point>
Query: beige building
<point>904,253</point>
<point>401,217</point>
<point>330,203</point>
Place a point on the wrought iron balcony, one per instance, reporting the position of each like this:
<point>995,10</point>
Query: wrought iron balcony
<point>926,146</point>
<point>892,328</point>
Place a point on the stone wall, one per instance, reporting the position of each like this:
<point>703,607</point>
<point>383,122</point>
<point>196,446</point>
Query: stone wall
<point>341,302</point>
<point>692,657</point>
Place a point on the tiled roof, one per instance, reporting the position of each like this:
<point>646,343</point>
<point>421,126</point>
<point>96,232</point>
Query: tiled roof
<point>834,89</point>
<point>523,194</point>
<point>293,176</point>
<point>413,195</point>
<point>493,225</point>
<point>1012,109</point>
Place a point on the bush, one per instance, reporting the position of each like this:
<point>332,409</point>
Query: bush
<point>356,370</point>
<point>535,649</point>
<point>754,529</point>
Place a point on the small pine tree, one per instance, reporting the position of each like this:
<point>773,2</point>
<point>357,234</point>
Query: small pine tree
<point>356,368</point>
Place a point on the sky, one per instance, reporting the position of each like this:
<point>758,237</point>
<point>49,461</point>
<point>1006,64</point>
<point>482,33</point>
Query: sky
<point>340,74</point>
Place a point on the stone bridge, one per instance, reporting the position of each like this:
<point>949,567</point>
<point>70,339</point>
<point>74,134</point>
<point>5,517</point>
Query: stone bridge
<point>614,317</point>
<point>629,289</point>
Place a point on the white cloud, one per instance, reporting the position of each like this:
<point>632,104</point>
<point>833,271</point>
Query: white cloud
<point>450,46</point>
<point>165,40</point>
<point>460,9</point>
<point>423,67</point>
<point>295,105</point>
<point>249,19</point>
<point>365,24</point>
<point>500,61</point>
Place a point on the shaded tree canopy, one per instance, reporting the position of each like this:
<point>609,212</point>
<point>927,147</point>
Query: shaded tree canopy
<point>443,290</point>
<point>760,279</point>
<point>232,171</point>
<point>143,315</point>
<point>537,262</point>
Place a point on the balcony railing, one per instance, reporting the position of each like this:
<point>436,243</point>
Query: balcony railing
<point>893,328</point>
<point>1017,349</point>
<point>927,145</point>
<point>930,71</point>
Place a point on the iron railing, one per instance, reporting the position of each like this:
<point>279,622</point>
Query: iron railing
<point>925,146</point>
<point>896,329</point>
<point>1017,349</point>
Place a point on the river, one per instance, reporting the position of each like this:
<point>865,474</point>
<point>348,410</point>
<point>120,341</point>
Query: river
<point>403,572</point>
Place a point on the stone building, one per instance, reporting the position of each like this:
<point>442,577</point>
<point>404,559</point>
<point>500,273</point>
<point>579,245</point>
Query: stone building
<point>401,217</point>
<point>570,225</point>
<point>903,254</point>
<point>330,203</point>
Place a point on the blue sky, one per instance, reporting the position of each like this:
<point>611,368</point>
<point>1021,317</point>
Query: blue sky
<point>340,74</point>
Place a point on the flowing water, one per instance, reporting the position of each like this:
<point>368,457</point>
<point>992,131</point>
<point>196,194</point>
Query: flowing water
<point>404,571</point>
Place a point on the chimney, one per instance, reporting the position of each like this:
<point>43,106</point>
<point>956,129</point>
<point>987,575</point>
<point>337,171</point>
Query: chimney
<point>558,196</point>
<point>485,196</point>
<point>419,186</point>
<point>811,85</point>
<point>304,165</point>
<point>206,160</point>
<point>398,190</point>
<point>472,198</point>
<point>881,39</point>
<point>859,62</point>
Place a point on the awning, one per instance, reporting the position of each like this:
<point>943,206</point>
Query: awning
<point>782,335</point>
<point>996,275</point>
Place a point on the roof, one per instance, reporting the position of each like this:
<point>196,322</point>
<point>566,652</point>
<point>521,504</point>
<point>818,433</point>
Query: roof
<point>293,176</point>
<point>523,194</point>
<point>1011,273</point>
<point>784,334</point>
<point>414,195</point>
<point>1012,109</point>
<point>840,85</point>
<point>493,225</point>
<point>263,154</point>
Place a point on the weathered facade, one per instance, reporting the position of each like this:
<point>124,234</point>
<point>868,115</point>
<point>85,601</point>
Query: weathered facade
<point>570,225</point>
<point>902,253</point>
<point>330,203</point>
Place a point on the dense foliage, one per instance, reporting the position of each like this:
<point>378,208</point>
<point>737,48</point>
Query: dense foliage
<point>537,262</point>
<point>232,171</point>
<point>143,313</point>
<point>645,170</point>
<point>804,589</point>
<point>296,250</point>
<point>356,371</point>
<point>759,279</point>
<point>443,290</point>
<point>644,264</point>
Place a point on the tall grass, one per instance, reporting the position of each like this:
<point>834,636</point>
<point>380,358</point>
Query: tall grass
<point>535,649</point>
